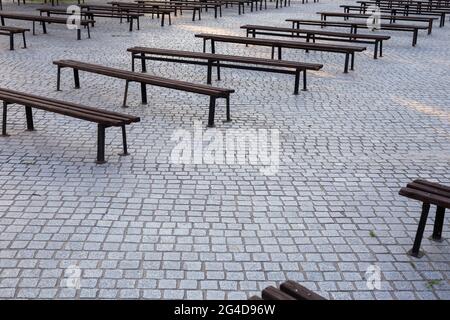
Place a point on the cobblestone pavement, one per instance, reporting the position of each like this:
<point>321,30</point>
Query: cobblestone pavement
<point>144,227</point>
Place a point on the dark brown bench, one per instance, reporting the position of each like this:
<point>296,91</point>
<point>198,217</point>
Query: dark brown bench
<point>91,14</point>
<point>392,19</point>
<point>429,193</point>
<point>395,12</point>
<point>11,31</point>
<point>349,51</point>
<point>43,20</point>
<point>217,60</point>
<point>354,26</point>
<point>145,79</point>
<point>103,118</point>
<point>135,8</point>
<point>314,35</point>
<point>289,290</point>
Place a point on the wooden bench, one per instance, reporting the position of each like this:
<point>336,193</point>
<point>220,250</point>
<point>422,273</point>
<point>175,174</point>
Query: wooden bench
<point>103,118</point>
<point>314,35</point>
<point>217,60</point>
<point>91,13</point>
<point>194,6</point>
<point>354,26</point>
<point>392,19</point>
<point>11,31</point>
<point>145,10</point>
<point>395,12</point>
<point>429,193</point>
<point>289,290</point>
<point>43,20</point>
<point>145,79</point>
<point>349,51</point>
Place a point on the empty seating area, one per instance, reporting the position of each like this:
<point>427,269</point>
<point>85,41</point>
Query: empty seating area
<point>269,151</point>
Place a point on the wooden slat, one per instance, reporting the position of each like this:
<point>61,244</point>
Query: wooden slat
<point>272,293</point>
<point>429,189</point>
<point>317,32</point>
<point>229,58</point>
<point>425,197</point>
<point>144,78</point>
<point>282,43</point>
<point>68,109</point>
<point>299,292</point>
<point>433,184</point>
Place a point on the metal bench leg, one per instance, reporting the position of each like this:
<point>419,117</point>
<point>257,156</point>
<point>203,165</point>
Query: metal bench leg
<point>212,110</point>
<point>381,49</point>
<point>143,63</point>
<point>419,235</point>
<point>76,78</point>
<point>5,115</point>
<point>89,31</point>
<point>44,28</point>
<point>414,42</point>
<point>297,81</point>
<point>29,115</point>
<point>101,144</point>
<point>125,95</point>
<point>132,62</point>
<point>375,50</point>
<point>352,65</point>
<point>304,81</point>
<point>438,224</point>
<point>24,40</point>
<point>143,93</point>
<point>228,109</point>
<point>34,28</point>
<point>346,62</point>
<point>218,70</point>
<point>209,73</point>
<point>124,141</point>
<point>58,79</point>
<point>78,34</point>
<point>11,41</point>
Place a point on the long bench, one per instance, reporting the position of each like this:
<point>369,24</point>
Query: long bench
<point>91,14</point>
<point>429,193</point>
<point>103,118</point>
<point>392,19</point>
<point>217,60</point>
<point>43,20</point>
<point>349,51</point>
<point>145,79</point>
<point>11,31</point>
<point>289,290</point>
<point>395,12</point>
<point>310,34</point>
<point>354,26</point>
<point>153,10</point>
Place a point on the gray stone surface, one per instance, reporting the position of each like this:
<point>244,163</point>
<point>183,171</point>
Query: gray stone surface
<point>143,227</point>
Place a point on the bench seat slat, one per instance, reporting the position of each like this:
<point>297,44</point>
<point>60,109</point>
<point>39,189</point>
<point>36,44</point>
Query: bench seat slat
<point>229,58</point>
<point>433,184</point>
<point>299,292</point>
<point>283,43</point>
<point>425,197</point>
<point>148,79</point>
<point>66,108</point>
<point>429,189</point>
<point>272,293</point>
<point>317,32</point>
